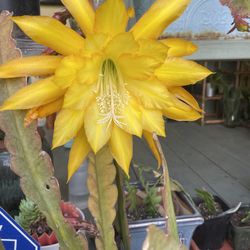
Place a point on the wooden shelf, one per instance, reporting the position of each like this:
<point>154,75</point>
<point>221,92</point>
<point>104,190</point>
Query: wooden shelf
<point>238,74</point>
<point>212,117</point>
<point>207,98</point>
<point>214,121</point>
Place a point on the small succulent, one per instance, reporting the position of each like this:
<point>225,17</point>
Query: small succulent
<point>29,214</point>
<point>208,200</point>
<point>34,222</point>
<point>143,203</point>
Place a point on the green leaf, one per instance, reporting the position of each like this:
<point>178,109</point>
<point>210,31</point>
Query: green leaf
<point>208,200</point>
<point>158,240</point>
<point>103,196</point>
<point>27,159</point>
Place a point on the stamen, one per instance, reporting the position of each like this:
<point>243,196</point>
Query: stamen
<point>112,96</point>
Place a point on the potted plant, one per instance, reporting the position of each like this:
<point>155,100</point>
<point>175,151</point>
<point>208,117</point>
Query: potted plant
<point>34,222</point>
<point>231,103</point>
<point>245,105</point>
<point>144,207</point>
<point>213,232</point>
<point>240,228</point>
<point>101,118</point>
<point>213,84</point>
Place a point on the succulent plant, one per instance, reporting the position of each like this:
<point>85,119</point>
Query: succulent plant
<point>29,214</point>
<point>34,222</point>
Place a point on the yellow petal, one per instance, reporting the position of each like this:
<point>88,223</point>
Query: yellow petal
<point>79,96</point>
<point>78,152</point>
<point>67,124</point>
<point>98,133</point>
<point>158,17</point>
<point>90,71</point>
<point>177,103</point>
<point>30,66</point>
<point>185,96</point>
<point>121,145</point>
<point>51,33</point>
<point>180,72</point>
<point>151,143</point>
<point>95,43</point>
<point>131,12</point>
<point>179,47</point>
<point>82,12</point>
<point>50,108</point>
<point>131,118</point>
<point>153,48</point>
<point>43,111</point>
<point>152,121</point>
<point>38,93</point>
<point>121,44</point>
<point>111,17</point>
<point>151,93</point>
<point>67,71</point>
<point>137,67</point>
<point>181,115</point>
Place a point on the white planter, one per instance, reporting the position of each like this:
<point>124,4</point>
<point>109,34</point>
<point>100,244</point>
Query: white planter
<point>78,191</point>
<point>51,247</point>
<point>210,91</point>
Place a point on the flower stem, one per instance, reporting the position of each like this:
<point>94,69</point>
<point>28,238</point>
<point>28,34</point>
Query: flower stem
<point>121,210</point>
<point>103,196</point>
<point>1,245</point>
<point>167,196</point>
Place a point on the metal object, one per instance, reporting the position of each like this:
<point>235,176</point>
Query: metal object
<point>231,210</point>
<point>186,226</point>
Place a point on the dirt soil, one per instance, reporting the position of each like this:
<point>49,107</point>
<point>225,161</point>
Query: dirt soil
<point>206,214</point>
<point>237,217</point>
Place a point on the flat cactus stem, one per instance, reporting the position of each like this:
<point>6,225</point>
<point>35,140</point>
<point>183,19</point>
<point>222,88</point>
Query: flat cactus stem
<point>167,196</point>
<point>103,197</point>
<point>1,245</point>
<point>158,240</point>
<point>27,159</point>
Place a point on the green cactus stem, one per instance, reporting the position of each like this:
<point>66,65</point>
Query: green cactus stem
<point>27,159</point>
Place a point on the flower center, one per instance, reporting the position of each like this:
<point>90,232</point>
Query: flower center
<point>112,95</point>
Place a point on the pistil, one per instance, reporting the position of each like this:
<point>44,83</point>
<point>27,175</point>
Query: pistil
<point>112,96</point>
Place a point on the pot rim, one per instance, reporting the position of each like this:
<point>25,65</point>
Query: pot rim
<point>48,246</point>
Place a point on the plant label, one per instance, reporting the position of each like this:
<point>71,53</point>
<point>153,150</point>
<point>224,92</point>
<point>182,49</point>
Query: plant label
<point>13,236</point>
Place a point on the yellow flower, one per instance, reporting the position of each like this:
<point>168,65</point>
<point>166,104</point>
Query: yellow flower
<point>110,85</point>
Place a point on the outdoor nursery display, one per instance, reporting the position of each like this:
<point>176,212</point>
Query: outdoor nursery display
<point>106,84</point>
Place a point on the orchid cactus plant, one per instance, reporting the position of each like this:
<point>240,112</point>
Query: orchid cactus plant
<point>106,86</point>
